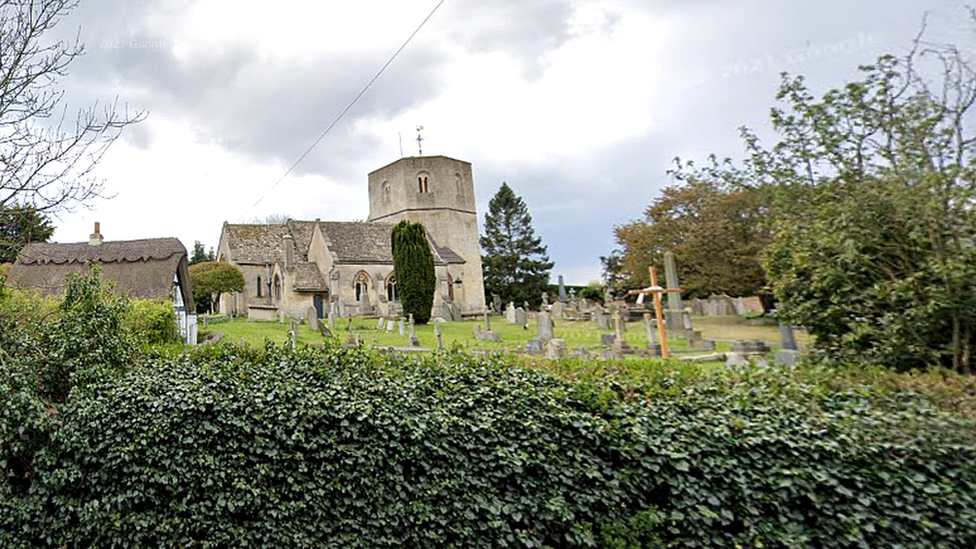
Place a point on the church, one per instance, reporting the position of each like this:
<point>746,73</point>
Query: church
<point>346,267</point>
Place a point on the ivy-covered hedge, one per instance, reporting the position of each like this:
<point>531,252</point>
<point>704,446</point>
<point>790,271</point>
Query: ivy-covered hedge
<point>235,447</point>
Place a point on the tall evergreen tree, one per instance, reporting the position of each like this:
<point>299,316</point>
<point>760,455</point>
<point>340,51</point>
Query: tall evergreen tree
<point>200,254</point>
<point>19,226</point>
<point>413,262</point>
<point>516,263</point>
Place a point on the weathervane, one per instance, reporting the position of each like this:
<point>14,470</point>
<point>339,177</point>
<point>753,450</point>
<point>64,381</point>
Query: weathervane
<point>420,141</point>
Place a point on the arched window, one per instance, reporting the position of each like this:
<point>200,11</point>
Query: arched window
<point>277,288</point>
<point>391,291</point>
<point>361,285</point>
<point>259,286</point>
<point>386,191</point>
<point>422,182</point>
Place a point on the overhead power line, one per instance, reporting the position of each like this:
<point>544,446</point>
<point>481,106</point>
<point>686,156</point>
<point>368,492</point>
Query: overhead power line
<point>345,110</point>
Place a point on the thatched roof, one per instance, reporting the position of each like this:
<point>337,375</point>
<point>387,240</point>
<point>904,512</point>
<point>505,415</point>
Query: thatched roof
<point>139,268</point>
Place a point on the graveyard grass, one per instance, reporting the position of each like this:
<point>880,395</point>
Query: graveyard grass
<point>460,335</point>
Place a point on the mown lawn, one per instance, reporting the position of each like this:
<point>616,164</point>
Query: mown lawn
<point>583,334</point>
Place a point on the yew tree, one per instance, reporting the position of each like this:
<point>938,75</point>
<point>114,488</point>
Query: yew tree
<point>413,262</point>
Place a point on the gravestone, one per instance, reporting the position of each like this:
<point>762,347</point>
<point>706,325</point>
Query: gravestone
<point>414,342</point>
<point>364,306</point>
<point>558,311</point>
<point>380,322</point>
<point>496,303</point>
<point>294,334</point>
<point>331,321</point>
<point>562,290</point>
<point>545,327</point>
<point>789,354</point>
<point>401,326</point>
<point>599,318</point>
<point>534,346</point>
<point>437,334</point>
<point>545,299</point>
<point>313,319</point>
<point>556,349</point>
<point>477,332</point>
<point>674,313</point>
<point>653,346</point>
<point>620,346</point>
<point>520,317</point>
<point>607,339</point>
<point>489,334</point>
<point>510,313</point>
<point>390,325</point>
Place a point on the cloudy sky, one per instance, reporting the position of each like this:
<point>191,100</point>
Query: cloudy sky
<point>580,105</point>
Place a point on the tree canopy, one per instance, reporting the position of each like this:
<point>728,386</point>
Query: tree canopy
<point>19,226</point>
<point>413,262</point>
<point>870,190</point>
<point>516,264</point>
<point>47,165</point>
<point>713,229</point>
<point>200,254</point>
<point>210,279</point>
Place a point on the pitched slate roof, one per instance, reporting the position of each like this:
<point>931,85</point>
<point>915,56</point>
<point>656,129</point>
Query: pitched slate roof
<point>350,241</point>
<point>139,268</point>
<point>256,244</point>
<point>358,241</point>
<point>308,278</point>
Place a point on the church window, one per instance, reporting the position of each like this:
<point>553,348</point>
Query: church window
<point>259,286</point>
<point>386,191</point>
<point>277,288</point>
<point>391,292</point>
<point>362,285</point>
<point>422,185</point>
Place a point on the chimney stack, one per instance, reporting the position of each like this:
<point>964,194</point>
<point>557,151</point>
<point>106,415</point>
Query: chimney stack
<point>289,252</point>
<point>95,239</point>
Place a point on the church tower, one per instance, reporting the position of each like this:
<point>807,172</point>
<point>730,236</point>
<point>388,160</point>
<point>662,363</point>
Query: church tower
<point>438,192</point>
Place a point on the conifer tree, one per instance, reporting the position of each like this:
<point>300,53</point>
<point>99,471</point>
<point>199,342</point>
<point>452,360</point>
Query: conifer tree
<point>516,263</point>
<point>413,262</point>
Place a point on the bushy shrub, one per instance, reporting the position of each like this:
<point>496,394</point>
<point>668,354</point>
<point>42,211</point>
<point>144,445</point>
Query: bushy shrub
<point>232,446</point>
<point>152,322</point>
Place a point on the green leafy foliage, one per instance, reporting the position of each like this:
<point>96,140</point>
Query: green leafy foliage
<point>87,341</point>
<point>868,191</point>
<point>714,230</point>
<point>152,322</point>
<point>210,279</point>
<point>232,446</point>
<point>48,352</point>
<point>515,261</point>
<point>200,254</point>
<point>413,263</point>
<point>19,226</point>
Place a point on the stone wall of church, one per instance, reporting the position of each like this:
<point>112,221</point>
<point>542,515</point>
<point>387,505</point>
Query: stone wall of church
<point>439,193</point>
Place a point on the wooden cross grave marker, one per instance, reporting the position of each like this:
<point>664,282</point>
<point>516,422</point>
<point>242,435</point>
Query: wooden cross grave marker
<point>657,291</point>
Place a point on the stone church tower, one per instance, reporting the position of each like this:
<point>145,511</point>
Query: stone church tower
<point>438,192</point>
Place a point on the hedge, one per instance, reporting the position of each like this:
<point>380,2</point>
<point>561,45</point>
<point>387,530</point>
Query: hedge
<point>231,446</point>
